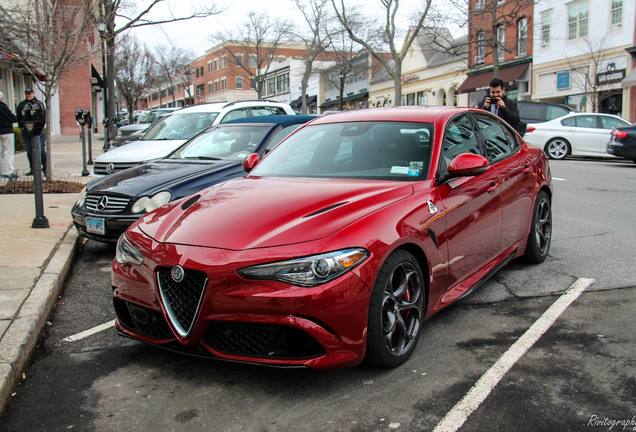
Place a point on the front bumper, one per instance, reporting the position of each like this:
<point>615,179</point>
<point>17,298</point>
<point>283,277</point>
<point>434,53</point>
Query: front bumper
<point>114,225</point>
<point>252,321</point>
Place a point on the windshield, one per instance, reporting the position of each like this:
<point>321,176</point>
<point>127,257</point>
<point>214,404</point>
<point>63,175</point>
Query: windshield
<point>179,126</point>
<point>364,150</point>
<point>227,143</point>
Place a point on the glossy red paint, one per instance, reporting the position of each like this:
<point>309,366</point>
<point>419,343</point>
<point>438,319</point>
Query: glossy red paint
<point>459,229</point>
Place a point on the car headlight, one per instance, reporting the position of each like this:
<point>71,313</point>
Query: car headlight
<point>127,253</point>
<point>150,203</point>
<point>81,198</point>
<point>308,271</point>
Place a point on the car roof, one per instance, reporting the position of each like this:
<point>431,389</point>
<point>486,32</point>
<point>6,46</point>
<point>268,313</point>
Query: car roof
<point>219,106</point>
<point>283,120</point>
<point>420,114</point>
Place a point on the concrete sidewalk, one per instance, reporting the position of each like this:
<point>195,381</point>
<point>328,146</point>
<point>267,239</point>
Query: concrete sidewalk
<point>34,261</point>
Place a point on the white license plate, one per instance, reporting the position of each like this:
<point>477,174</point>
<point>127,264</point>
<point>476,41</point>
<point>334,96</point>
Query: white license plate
<point>95,226</point>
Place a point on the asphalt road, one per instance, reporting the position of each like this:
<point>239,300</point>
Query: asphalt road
<point>477,366</point>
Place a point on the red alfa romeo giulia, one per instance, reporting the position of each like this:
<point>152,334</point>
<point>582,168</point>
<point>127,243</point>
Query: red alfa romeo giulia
<point>340,243</point>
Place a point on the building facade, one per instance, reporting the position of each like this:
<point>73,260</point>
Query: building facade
<point>501,31</point>
<point>580,54</point>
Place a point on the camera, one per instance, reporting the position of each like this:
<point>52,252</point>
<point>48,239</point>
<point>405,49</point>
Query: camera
<point>494,100</point>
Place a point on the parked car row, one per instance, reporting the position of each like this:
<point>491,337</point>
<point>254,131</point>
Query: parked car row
<point>314,242</point>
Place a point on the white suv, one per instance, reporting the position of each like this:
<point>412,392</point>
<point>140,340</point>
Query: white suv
<point>172,130</point>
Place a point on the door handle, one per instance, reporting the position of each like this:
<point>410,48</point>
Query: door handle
<point>492,187</point>
<point>528,170</point>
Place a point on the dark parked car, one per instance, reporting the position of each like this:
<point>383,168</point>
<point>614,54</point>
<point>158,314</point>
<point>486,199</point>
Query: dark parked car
<point>538,112</point>
<point>340,243</point>
<point>110,204</point>
<point>623,142</point>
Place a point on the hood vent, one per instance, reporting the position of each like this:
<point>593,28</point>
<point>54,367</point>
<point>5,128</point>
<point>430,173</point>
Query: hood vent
<point>189,202</point>
<point>326,209</point>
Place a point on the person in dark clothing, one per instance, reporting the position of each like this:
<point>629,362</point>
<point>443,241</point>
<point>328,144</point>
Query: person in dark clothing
<point>498,103</point>
<point>7,144</point>
<point>26,136</point>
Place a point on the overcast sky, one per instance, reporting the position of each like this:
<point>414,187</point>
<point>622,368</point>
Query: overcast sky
<point>194,34</point>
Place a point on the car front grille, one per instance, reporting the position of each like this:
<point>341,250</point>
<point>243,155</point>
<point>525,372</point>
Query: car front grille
<point>106,168</point>
<point>106,203</point>
<point>261,340</point>
<point>142,320</point>
<point>182,299</point>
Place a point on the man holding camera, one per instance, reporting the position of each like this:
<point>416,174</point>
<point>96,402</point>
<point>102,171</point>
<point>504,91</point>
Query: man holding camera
<point>498,103</point>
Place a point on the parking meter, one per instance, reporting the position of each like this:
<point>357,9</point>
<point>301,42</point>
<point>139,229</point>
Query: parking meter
<point>89,123</point>
<point>34,117</point>
<point>79,117</point>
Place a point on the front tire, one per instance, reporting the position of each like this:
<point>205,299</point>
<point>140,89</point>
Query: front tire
<point>557,148</point>
<point>396,311</point>
<point>540,235</point>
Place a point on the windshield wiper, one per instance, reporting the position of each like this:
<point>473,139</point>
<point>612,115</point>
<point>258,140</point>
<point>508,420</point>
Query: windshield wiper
<point>203,157</point>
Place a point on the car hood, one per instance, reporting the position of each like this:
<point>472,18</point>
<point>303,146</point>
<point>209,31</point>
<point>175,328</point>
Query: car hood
<point>153,177</point>
<point>140,151</point>
<point>265,212</point>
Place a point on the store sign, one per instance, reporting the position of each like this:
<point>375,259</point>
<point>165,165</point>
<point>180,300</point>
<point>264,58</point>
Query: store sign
<point>563,80</point>
<point>409,78</point>
<point>611,71</point>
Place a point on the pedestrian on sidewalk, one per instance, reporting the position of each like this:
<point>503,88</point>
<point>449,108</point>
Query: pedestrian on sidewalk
<point>7,139</point>
<point>26,135</point>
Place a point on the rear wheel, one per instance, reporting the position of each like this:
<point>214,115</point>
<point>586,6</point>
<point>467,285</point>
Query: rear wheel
<point>396,311</point>
<point>557,148</point>
<point>540,234</point>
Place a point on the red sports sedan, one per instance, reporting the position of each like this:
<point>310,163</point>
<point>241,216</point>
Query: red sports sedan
<point>340,243</point>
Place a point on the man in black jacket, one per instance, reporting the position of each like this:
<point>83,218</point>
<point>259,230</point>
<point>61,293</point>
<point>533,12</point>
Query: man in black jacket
<point>498,103</point>
<point>26,136</point>
<point>7,143</point>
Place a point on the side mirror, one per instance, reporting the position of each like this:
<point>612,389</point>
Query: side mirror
<point>468,164</point>
<point>250,161</point>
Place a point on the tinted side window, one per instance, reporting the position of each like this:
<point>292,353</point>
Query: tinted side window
<point>610,122</point>
<point>532,112</point>
<point>555,112</point>
<point>570,121</point>
<point>235,114</point>
<point>586,121</point>
<point>499,144</point>
<point>264,111</point>
<point>280,135</point>
<point>460,137</point>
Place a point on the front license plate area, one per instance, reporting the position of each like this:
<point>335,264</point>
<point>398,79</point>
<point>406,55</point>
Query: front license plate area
<point>95,226</point>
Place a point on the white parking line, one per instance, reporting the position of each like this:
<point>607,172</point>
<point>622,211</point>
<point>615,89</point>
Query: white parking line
<point>456,417</point>
<point>89,332</point>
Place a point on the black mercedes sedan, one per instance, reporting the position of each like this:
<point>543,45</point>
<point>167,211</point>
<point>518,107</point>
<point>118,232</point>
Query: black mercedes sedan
<point>623,142</point>
<point>109,205</point>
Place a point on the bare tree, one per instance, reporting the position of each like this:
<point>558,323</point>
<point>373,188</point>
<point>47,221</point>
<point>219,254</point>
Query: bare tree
<point>488,22</point>
<point>135,66</point>
<point>376,36</point>
<point>315,35</point>
<point>346,55</point>
<point>47,38</point>
<point>184,78</point>
<point>123,15</point>
<point>252,46</point>
<point>170,62</point>
<point>591,71</point>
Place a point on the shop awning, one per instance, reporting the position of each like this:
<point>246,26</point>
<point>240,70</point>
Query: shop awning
<point>363,95</point>
<point>296,103</point>
<point>630,79</point>
<point>96,78</point>
<point>481,81</point>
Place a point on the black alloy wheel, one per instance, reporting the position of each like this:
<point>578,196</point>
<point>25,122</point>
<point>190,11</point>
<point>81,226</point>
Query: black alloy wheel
<point>540,234</point>
<point>396,311</point>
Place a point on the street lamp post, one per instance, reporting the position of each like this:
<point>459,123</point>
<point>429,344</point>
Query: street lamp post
<point>101,27</point>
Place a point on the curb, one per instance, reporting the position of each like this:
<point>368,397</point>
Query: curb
<point>24,332</point>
